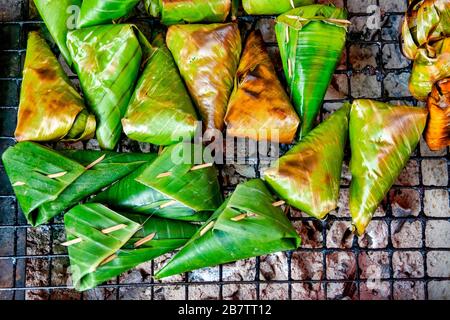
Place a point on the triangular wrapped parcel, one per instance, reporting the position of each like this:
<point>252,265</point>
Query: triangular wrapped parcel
<point>96,12</point>
<point>271,7</point>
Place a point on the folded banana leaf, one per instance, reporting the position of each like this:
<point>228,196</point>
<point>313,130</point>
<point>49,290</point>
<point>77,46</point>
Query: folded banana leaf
<point>259,108</point>
<point>308,176</point>
<point>208,57</point>
<point>142,240</point>
<point>50,108</point>
<point>131,196</point>
<point>382,138</point>
<point>246,225</point>
<point>107,60</point>
<point>431,65</point>
<point>95,12</point>
<point>311,41</point>
<point>176,174</point>
<point>191,11</point>
<point>266,7</point>
<point>161,111</point>
<point>425,21</point>
<point>58,16</point>
<point>437,132</point>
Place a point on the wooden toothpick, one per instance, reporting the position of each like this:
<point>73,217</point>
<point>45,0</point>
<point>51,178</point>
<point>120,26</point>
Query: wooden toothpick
<point>168,204</point>
<point>148,238</point>
<point>96,162</point>
<point>104,231</point>
<point>57,175</point>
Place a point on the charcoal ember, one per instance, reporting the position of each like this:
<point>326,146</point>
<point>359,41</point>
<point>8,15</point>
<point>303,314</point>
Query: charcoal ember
<point>37,272</point>
<point>60,275</point>
<point>342,290</point>
<point>135,293</point>
<point>239,292</point>
<point>242,270</point>
<point>37,294</point>
<point>38,240</point>
<point>100,294</point>
<point>307,265</point>
<point>376,235</point>
<point>435,172</point>
<point>273,291</point>
<point>405,202</point>
<point>373,265</point>
<point>170,293</point>
<point>140,274</point>
<point>409,290</point>
<point>437,234</point>
<point>375,290</point>
<point>310,232</point>
<point>339,235</point>
<point>438,264</point>
<point>341,266</point>
<point>274,266</point>
<point>439,290</point>
<point>204,275</point>
<point>406,234</point>
<point>409,175</point>
<point>408,264</point>
<point>308,291</point>
<point>204,292</point>
<point>436,203</point>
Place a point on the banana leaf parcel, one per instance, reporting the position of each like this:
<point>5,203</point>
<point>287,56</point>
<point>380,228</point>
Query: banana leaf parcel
<point>311,41</point>
<point>437,132</point>
<point>96,256</point>
<point>95,12</point>
<point>382,138</point>
<point>308,176</point>
<point>161,111</point>
<point>58,16</point>
<point>50,108</point>
<point>191,11</point>
<point>259,107</point>
<point>431,65</point>
<point>426,21</point>
<point>107,60</point>
<point>270,7</point>
<point>47,182</point>
<point>208,57</point>
<point>246,225</point>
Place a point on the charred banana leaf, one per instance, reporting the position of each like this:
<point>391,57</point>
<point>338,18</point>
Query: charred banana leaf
<point>95,12</point>
<point>431,65</point>
<point>311,41</point>
<point>268,7</point>
<point>107,60</point>
<point>437,132</point>
<point>190,11</point>
<point>161,111</point>
<point>50,108</point>
<point>426,21</point>
<point>308,176</point>
<point>208,57</point>
<point>259,108</point>
<point>98,257</point>
<point>382,138</point>
<point>58,16</point>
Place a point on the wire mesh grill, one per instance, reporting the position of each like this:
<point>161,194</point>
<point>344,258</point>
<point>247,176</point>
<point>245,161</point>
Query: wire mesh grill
<point>403,255</point>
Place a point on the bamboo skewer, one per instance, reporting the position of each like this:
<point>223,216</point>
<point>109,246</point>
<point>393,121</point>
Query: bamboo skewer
<point>208,227</point>
<point>148,238</point>
<point>18,184</point>
<point>168,204</point>
<point>90,166</point>
<point>279,203</point>
<point>104,231</point>
<point>251,214</point>
<point>194,168</point>
<point>57,175</point>
<point>109,259</point>
<point>164,174</point>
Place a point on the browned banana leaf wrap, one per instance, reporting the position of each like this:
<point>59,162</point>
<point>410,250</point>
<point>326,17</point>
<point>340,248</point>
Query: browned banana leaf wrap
<point>382,138</point>
<point>425,21</point>
<point>259,108</point>
<point>308,176</point>
<point>437,132</point>
<point>208,57</point>
<point>50,108</point>
<point>431,65</point>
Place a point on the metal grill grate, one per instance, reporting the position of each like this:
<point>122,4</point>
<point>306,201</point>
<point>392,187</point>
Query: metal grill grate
<point>405,254</point>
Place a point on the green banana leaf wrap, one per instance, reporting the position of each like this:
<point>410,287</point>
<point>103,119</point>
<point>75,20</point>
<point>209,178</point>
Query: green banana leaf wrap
<point>160,111</point>
<point>107,60</point>
<point>208,57</point>
<point>425,21</point>
<point>96,12</point>
<point>131,196</point>
<point>41,197</point>
<point>270,7</point>
<point>431,65</point>
<point>58,15</point>
<point>50,108</point>
<point>382,138</point>
<point>172,174</point>
<point>190,11</point>
<point>246,225</point>
<point>308,176</point>
<point>259,108</point>
<point>311,41</point>
<point>86,257</point>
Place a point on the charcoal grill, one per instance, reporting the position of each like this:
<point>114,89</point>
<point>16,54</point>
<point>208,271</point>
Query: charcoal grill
<point>403,256</point>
